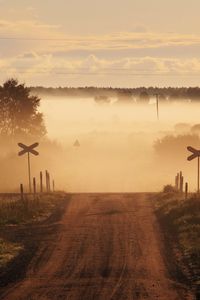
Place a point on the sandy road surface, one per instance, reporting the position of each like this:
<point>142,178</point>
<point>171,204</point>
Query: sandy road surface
<point>107,247</point>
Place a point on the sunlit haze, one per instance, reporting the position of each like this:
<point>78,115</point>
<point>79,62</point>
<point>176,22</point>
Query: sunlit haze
<point>116,152</point>
<point>100,43</point>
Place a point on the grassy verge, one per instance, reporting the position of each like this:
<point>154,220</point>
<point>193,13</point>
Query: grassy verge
<point>16,216</point>
<point>29,210</point>
<point>8,251</point>
<point>180,221</point>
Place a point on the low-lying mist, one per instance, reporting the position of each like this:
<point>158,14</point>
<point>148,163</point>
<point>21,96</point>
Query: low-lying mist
<point>119,148</point>
<point>123,148</point>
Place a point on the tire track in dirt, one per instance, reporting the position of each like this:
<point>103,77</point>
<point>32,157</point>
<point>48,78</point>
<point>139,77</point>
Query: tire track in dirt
<point>108,247</point>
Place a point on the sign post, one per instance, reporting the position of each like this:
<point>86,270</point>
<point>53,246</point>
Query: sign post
<point>195,154</point>
<point>28,150</point>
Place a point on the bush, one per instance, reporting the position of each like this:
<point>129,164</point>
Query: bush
<point>168,189</point>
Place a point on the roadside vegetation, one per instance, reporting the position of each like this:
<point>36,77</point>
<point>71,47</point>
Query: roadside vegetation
<point>180,221</point>
<point>8,251</point>
<point>17,215</point>
<point>28,210</point>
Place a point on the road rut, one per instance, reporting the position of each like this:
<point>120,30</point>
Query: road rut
<point>108,247</point>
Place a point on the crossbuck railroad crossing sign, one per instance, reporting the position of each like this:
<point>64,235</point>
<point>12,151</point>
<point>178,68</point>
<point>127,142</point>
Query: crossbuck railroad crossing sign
<point>195,154</point>
<point>29,150</point>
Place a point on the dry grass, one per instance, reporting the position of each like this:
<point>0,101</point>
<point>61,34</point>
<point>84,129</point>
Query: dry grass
<point>181,222</point>
<point>16,211</point>
<point>8,251</point>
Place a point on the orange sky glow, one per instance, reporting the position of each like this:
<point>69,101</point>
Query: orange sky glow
<point>100,43</point>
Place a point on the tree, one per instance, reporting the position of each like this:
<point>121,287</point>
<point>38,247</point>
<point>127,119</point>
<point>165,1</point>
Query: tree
<point>19,114</point>
<point>172,148</point>
<point>144,97</point>
<point>196,129</point>
<point>194,93</point>
<point>125,96</point>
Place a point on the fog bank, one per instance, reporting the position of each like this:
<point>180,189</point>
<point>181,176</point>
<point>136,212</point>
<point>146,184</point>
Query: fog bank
<point>117,144</point>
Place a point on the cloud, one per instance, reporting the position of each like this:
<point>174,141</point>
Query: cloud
<point>140,28</point>
<point>53,39</point>
<point>24,26</point>
<point>33,49</point>
<point>33,62</point>
<point>127,40</point>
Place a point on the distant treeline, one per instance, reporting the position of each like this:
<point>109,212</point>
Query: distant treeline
<point>140,94</point>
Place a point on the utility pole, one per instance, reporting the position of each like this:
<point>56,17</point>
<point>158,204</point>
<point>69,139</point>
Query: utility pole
<point>157,106</point>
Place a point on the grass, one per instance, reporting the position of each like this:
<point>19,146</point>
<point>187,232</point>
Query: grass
<point>8,251</point>
<point>15,212</point>
<point>180,220</point>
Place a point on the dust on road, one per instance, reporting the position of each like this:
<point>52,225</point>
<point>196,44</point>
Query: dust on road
<point>108,247</point>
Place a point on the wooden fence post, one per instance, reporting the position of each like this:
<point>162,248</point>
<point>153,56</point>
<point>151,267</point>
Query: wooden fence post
<point>41,183</point>
<point>176,182</point>
<point>47,189</point>
<point>186,191</point>
<point>22,191</point>
<point>49,182</point>
<point>34,187</point>
<point>181,182</point>
<point>53,185</point>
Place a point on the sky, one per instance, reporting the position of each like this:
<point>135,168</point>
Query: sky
<point>103,43</point>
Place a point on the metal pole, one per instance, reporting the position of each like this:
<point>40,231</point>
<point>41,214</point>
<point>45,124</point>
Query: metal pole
<point>198,177</point>
<point>29,172</point>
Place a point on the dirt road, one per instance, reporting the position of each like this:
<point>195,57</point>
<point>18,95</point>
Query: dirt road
<point>108,247</point>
